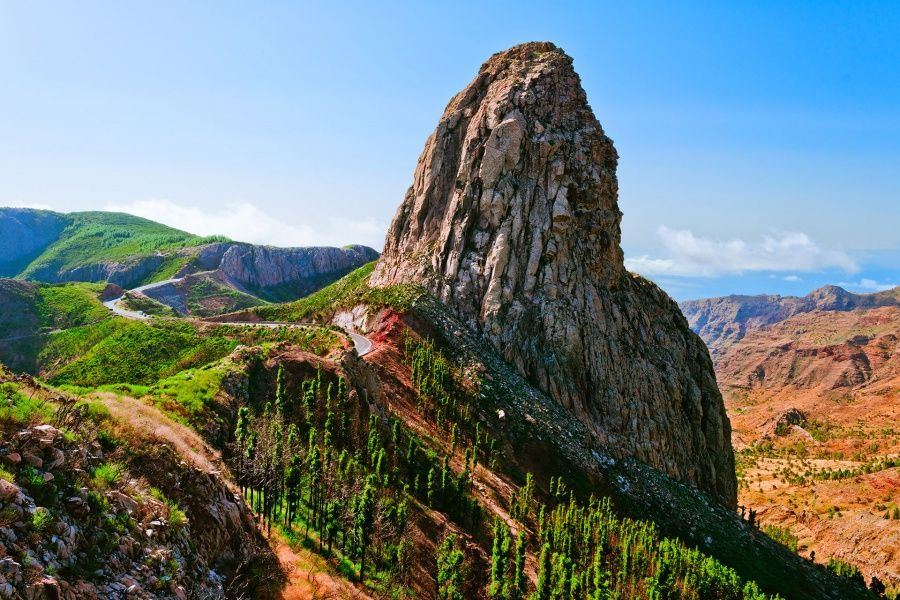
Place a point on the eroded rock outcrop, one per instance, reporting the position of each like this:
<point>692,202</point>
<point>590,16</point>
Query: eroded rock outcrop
<point>513,221</point>
<point>287,273</point>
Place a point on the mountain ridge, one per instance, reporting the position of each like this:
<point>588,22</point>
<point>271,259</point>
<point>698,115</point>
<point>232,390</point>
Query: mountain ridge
<point>724,320</point>
<point>129,251</point>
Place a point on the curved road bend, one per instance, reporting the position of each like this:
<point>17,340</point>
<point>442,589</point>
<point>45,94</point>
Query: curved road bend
<point>362,344</point>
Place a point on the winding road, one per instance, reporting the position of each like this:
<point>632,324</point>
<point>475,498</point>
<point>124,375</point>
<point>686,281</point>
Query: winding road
<point>362,344</point>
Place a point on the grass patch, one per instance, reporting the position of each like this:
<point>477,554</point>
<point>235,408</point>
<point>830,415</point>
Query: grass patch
<point>41,520</point>
<point>187,395</point>
<point>318,340</point>
<point>71,304</point>
<point>106,476</point>
<point>18,409</point>
<point>177,518</point>
<point>132,352</point>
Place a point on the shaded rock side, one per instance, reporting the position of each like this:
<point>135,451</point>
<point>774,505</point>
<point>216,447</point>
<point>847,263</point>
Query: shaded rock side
<point>512,220</point>
<point>287,273</point>
<point>24,234</point>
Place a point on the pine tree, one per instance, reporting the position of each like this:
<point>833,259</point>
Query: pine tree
<point>241,431</point>
<point>430,487</point>
<point>365,517</point>
<point>517,590</point>
<point>281,401</point>
<point>449,569</point>
<point>544,574</point>
<point>499,559</point>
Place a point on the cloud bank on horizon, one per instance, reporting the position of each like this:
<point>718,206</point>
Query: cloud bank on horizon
<point>689,266</point>
<point>246,222</point>
<point>690,255</point>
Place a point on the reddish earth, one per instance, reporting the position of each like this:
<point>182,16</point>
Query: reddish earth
<point>841,371</point>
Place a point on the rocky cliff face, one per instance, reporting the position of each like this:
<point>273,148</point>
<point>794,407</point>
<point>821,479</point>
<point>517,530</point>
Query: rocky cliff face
<point>724,321</point>
<point>512,220</point>
<point>290,272</point>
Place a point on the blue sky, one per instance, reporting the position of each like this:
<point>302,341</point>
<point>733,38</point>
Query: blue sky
<point>759,143</point>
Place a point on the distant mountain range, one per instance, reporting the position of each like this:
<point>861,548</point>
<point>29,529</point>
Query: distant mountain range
<point>724,320</point>
<point>128,251</point>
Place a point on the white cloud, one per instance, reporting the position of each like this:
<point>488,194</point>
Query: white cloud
<point>247,223</point>
<point>792,278</point>
<point>24,204</point>
<point>867,284</point>
<point>686,254</point>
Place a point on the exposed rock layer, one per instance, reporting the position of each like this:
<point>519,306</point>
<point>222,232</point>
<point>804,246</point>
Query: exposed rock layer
<point>513,221</point>
<point>290,272</point>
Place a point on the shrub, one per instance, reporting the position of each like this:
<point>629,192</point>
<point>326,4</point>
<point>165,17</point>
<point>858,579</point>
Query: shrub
<point>177,517</point>
<point>105,476</point>
<point>97,503</point>
<point>782,535</point>
<point>17,408</point>
<point>41,519</point>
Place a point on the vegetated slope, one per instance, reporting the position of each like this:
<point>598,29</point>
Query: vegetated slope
<point>393,493</point>
<point>30,312</point>
<point>97,506</point>
<point>453,418</point>
<point>64,334</point>
<point>24,234</point>
<point>102,246</point>
<point>725,320</point>
<point>815,401</point>
<point>130,251</point>
<point>203,294</point>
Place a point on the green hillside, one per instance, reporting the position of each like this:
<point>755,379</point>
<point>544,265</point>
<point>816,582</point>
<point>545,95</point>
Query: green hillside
<point>96,237</point>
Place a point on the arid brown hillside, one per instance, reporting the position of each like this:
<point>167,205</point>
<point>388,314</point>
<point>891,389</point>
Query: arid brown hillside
<point>814,402</point>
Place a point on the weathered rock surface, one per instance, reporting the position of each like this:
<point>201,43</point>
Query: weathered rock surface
<point>290,272</point>
<point>723,321</point>
<point>125,273</point>
<point>97,544</point>
<point>512,220</point>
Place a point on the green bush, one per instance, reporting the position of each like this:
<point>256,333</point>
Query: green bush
<point>106,476</point>
<point>782,535</point>
<point>845,569</point>
<point>41,519</point>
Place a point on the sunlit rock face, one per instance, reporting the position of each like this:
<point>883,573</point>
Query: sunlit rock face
<point>513,221</point>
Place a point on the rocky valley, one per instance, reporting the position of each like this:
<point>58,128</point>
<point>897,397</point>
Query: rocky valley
<point>812,387</point>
